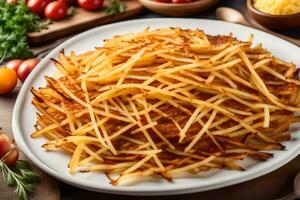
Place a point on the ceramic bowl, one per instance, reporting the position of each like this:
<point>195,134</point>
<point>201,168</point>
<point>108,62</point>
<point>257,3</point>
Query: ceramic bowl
<point>273,22</point>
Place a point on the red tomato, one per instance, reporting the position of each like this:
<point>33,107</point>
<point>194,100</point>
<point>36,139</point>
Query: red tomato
<point>8,150</point>
<point>37,6</point>
<point>26,67</point>
<point>56,10</point>
<point>14,64</point>
<point>91,4</point>
<point>5,145</point>
<point>12,157</point>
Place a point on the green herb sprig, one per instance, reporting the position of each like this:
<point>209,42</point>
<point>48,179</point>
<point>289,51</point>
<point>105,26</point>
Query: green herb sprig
<point>115,7</point>
<point>15,22</point>
<point>20,176</point>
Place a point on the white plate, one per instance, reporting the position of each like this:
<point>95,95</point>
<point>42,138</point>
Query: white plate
<point>55,163</point>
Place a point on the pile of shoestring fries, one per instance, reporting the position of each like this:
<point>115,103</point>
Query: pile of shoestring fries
<point>166,102</point>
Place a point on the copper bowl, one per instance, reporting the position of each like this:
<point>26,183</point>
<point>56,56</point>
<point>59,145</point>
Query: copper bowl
<point>273,22</point>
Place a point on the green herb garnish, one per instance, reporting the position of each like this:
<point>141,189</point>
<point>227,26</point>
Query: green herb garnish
<point>116,6</point>
<point>20,176</point>
<point>15,22</point>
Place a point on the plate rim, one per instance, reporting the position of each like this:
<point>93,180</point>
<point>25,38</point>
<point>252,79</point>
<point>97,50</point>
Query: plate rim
<point>125,190</point>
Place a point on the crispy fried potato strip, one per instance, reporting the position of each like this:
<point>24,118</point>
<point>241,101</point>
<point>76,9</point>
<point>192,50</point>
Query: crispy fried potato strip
<point>165,102</point>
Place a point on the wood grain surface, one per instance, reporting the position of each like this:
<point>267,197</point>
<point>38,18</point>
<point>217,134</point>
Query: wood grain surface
<point>82,20</point>
<point>48,188</point>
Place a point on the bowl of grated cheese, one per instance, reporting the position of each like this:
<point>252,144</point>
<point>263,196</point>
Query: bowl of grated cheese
<point>275,14</point>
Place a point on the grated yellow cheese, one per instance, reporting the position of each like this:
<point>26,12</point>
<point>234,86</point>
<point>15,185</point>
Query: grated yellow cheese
<point>278,7</point>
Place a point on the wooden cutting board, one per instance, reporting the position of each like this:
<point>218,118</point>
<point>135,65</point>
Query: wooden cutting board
<point>48,188</point>
<point>82,20</point>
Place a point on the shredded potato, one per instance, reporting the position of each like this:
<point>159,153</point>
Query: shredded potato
<point>165,102</point>
<point>278,7</point>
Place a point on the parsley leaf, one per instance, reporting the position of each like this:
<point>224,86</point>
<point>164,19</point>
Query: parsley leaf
<point>15,22</point>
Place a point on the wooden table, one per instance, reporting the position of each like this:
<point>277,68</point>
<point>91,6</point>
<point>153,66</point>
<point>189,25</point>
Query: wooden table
<point>270,186</point>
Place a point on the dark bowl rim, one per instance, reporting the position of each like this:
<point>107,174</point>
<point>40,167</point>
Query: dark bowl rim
<point>258,12</point>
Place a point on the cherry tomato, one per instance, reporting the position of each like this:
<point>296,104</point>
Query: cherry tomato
<point>56,10</point>
<point>91,4</point>
<point>5,145</point>
<point>12,157</point>
<point>37,6</point>
<point>14,64</point>
<point>26,67</point>
<point>8,80</point>
<point>164,1</point>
